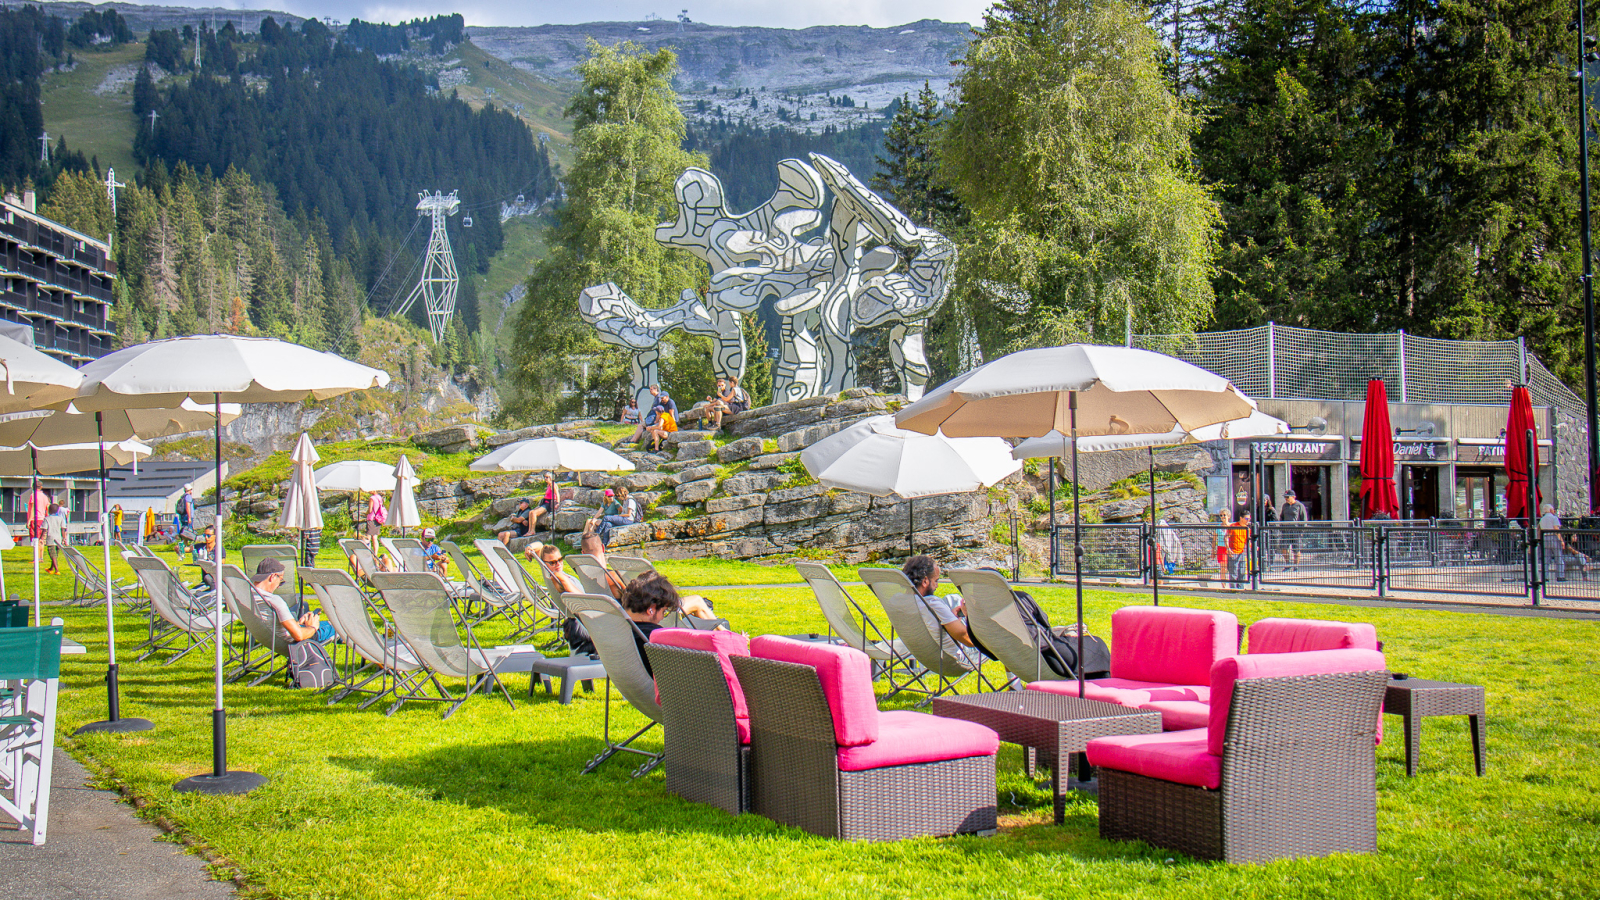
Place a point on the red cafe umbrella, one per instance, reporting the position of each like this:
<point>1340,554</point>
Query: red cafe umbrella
<point>1519,468</point>
<point>1377,456</point>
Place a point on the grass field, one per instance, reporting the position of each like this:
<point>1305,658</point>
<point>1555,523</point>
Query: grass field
<point>99,124</point>
<point>489,804</point>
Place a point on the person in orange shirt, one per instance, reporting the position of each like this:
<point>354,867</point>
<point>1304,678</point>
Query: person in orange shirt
<point>1238,547</point>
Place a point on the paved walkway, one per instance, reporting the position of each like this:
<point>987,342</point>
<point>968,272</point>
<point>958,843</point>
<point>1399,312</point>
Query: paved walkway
<point>98,850</point>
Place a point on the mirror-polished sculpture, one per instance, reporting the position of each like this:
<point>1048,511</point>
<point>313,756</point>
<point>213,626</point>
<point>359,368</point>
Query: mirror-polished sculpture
<point>825,255</point>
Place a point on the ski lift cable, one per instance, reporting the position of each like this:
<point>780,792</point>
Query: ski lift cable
<point>392,258</point>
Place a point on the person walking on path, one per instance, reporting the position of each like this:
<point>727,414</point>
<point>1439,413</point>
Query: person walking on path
<point>372,526</point>
<point>186,509</point>
<point>1293,514</point>
<point>1554,543</point>
<point>1220,539</point>
<point>55,535</point>
<point>1238,551</point>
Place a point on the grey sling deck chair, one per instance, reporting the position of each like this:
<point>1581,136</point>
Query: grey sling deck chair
<point>525,601</point>
<point>842,612</point>
<point>483,596</point>
<point>997,623</point>
<point>630,567</point>
<point>89,581</point>
<point>364,563</point>
<point>264,645</point>
<point>612,632</point>
<point>591,575</point>
<point>420,607</point>
<point>362,627</point>
<point>929,644</point>
<point>193,619</point>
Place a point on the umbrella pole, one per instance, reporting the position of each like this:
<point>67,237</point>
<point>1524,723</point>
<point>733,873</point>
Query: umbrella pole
<point>33,513</point>
<point>114,720</point>
<point>1077,534</point>
<point>1052,500</point>
<point>1155,563</point>
<point>911,526</point>
<point>220,780</point>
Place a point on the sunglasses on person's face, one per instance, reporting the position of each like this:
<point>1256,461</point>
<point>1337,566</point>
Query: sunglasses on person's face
<point>556,561</point>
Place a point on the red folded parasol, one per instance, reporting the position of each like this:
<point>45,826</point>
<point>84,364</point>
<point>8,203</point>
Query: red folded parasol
<point>1377,456</point>
<point>1519,468</point>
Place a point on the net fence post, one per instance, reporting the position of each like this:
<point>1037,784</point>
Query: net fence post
<point>1401,345</point>
<point>1272,360</point>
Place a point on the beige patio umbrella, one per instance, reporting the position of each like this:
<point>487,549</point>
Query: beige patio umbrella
<point>302,509</point>
<point>33,379</point>
<point>403,512</point>
<point>215,369</point>
<point>1077,390</point>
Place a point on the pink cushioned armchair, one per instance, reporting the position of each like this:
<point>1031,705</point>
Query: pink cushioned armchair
<point>1300,635</point>
<point>1161,658</point>
<point>1283,768</point>
<point>823,758</point>
<point>703,712</point>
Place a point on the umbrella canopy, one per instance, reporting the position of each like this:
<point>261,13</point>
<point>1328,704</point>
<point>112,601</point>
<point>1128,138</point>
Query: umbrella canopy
<point>1520,469</point>
<point>1257,424</point>
<point>33,379</point>
<point>62,459</point>
<point>553,454</point>
<point>355,475</point>
<point>69,425</point>
<point>300,507</point>
<point>207,367</point>
<point>874,457</point>
<point>1119,390</point>
<point>403,512</point>
<point>1377,456</point>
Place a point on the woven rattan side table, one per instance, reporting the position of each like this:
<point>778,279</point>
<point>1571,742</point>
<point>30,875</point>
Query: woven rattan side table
<point>1049,723</point>
<point>1417,698</point>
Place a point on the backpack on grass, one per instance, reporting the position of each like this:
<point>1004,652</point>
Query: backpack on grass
<point>309,664</point>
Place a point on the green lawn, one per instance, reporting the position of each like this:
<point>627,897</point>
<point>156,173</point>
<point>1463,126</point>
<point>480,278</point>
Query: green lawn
<point>489,804</point>
<point>98,123</point>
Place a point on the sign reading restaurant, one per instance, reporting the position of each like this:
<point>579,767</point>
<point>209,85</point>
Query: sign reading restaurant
<point>1289,448</point>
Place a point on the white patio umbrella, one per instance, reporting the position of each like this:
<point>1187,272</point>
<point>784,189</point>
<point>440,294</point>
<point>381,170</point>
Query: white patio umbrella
<point>1054,444</point>
<point>404,512</point>
<point>1078,389</point>
<point>874,457</point>
<point>217,369</point>
<point>301,509</point>
<point>355,475</point>
<point>552,454</point>
<point>69,425</point>
<point>33,379</point>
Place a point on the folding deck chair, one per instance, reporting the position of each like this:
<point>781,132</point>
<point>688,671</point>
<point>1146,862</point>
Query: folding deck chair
<point>851,623</point>
<point>929,644</point>
<point>420,607</point>
<point>526,602</point>
<point>191,618</point>
<point>30,682</point>
<point>612,632</point>
<point>266,653</point>
<point>362,626</point>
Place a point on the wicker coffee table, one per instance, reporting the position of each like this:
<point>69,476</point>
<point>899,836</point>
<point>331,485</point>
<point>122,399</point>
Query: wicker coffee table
<point>1416,698</point>
<point>1050,723</point>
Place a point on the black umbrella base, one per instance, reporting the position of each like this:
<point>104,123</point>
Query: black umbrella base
<point>226,783</point>
<point>118,726</point>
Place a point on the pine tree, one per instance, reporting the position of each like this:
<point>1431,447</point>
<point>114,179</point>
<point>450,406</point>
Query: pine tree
<point>908,175</point>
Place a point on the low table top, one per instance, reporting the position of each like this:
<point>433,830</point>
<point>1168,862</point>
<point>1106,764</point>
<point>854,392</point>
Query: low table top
<point>1423,684</point>
<point>1032,705</point>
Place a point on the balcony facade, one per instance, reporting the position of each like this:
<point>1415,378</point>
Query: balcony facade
<point>58,282</point>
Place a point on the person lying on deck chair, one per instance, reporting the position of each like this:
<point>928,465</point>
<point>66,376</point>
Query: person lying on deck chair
<point>647,600</point>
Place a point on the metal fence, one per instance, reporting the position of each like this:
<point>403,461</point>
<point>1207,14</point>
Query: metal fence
<point>1433,557</point>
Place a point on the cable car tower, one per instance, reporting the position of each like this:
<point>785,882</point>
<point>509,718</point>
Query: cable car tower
<point>439,281</point>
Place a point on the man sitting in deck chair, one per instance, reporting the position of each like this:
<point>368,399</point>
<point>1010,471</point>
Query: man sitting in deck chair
<point>264,584</point>
<point>923,572</point>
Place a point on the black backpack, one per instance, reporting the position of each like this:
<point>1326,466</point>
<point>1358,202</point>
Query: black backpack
<point>309,664</point>
<point>1061,653</point>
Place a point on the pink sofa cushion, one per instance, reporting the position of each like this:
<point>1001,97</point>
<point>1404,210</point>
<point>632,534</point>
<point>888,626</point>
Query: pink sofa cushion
<point>1178,756</point>
<point>1300,635</point>
<point>1170,645</point>
<point>1276,665</point>
<point>1179,715</point>
<point>724,644</point>
<point>846,676</point>
<point>906,738</point>
<point>1125,692</point>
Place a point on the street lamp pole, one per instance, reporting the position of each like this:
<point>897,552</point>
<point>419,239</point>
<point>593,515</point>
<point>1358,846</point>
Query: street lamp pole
<point>1585,51</point>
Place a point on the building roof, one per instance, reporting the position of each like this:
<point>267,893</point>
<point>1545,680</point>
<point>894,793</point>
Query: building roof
<point>155,479</point>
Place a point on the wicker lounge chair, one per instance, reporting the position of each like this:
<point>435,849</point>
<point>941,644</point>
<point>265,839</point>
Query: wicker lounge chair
<point>266,653</point>
<point>997,624</point>
<point>703,714</point>
<point>824,759</point>
<point>358,622</point>
<point>941,655</point>
<point>850,623</point>
<point>612,632</point>
<point>419,605</point>
<point>192,618</point>
<point>1284,767</point>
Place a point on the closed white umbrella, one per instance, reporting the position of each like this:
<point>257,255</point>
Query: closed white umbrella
<point>215,369</point>
<point>355,475</point>
<point>33,379</point>
<point>874,457</point>
<point>552,454</point>
<point>300,506</point>
<point>1079,389</point>
<point>403,512</point>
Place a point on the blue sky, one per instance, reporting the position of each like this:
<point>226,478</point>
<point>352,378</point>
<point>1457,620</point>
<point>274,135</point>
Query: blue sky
<point>773,13</point>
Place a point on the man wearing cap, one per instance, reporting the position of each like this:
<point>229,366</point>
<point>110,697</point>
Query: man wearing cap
<point>186,509</point>
<point>1293,513</point>
<point>264,584</point>
<point>433,556</point>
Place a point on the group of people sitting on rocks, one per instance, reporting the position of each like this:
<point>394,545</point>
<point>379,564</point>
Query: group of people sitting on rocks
<point>663,417</point>
<point>618,510</point>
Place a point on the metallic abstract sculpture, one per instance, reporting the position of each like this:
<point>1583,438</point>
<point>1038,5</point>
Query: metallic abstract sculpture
<point>866,266</point>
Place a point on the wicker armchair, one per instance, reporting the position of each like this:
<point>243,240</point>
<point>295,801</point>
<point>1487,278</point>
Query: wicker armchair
<point>707,725</point>
<point>822,758</point>
<point>1284,768</point>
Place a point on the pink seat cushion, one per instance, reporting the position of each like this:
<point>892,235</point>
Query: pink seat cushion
<point>1170,645</point>
<point>724,644</point>
<point>906,738</point>
<point>1125,692</point>
<point>1276,665</point>
<point>1178,756</point>
<point>1179,715</point>
<point>1300,635</point>
<point>846,676</point>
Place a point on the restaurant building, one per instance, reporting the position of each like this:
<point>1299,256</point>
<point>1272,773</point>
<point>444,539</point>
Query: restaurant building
<point>1448,402</point>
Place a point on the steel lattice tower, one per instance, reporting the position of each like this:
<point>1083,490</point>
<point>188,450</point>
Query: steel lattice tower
<point>439,281</point>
